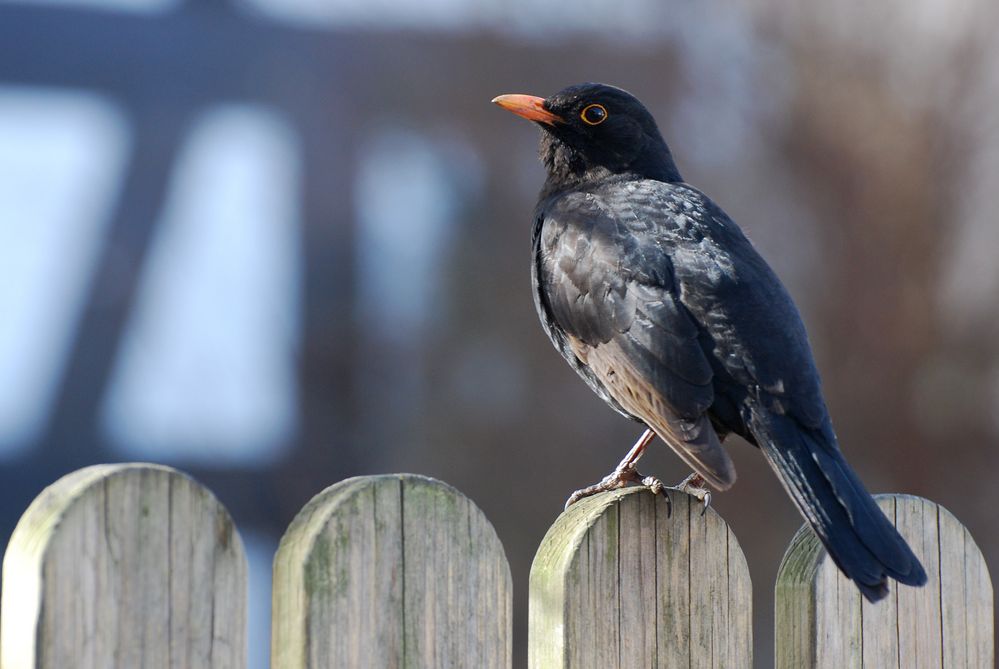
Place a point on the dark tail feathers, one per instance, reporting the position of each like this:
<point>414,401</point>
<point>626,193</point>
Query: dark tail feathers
<point>857,535</point>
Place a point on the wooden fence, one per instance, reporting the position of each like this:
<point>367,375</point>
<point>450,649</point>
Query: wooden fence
<point>129,566</point>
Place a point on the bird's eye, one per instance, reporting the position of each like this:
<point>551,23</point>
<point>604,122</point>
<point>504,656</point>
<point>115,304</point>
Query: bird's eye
<point>593,114</point>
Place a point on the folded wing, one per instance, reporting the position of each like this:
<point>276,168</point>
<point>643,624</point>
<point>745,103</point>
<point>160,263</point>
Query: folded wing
<point>608,285</point>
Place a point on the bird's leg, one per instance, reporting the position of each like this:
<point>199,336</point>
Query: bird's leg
<point>624,474</point>
<point>696,486</point>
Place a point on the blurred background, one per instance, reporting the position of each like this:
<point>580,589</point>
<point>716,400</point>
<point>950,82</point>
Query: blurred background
<point>277,243</point>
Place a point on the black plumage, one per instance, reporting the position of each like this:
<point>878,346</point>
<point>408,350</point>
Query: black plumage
<point>667,311</point>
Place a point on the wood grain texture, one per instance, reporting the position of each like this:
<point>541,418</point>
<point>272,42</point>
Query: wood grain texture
<point>619,582</point>
<point>391,571</point>
<point>822,621</point>
<point>124,566</point>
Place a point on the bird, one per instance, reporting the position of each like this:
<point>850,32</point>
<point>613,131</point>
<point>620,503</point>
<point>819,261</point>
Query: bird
<point>659,301</point>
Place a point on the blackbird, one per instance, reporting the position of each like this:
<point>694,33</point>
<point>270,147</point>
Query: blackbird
<point>666,310</point>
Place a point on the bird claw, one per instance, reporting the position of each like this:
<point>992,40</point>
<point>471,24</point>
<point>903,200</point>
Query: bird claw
<point>621,478</point>
<point>656,486</point>
<point>695,486</point>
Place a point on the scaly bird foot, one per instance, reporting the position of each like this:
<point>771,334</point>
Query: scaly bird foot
<point>620,478</point>
<point>696,486</point>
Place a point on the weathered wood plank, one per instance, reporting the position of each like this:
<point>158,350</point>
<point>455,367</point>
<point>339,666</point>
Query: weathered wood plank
<point>740,622</point>
<point>673,582</point>
<point>391,571</point>
<point>636,558</point>
<point>919,609</point>
<point>618,582</point>
<point>822,621</point>
<point>124,566</point>
<point>879,649</point>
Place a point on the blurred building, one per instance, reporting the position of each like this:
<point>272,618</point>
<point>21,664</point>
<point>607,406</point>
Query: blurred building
<point>279,243</point>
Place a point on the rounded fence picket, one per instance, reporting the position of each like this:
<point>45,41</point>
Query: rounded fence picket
<point>619,581</point>
<point>129,565</point>
<point>391,571</point>
<point>822,620</point>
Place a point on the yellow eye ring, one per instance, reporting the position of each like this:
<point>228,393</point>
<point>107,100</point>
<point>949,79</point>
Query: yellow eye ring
<point>593,114</point>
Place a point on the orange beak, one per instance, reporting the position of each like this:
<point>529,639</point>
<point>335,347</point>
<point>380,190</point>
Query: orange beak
<point>529,106</point>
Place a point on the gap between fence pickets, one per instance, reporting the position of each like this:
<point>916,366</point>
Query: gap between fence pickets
<point>155,562</point>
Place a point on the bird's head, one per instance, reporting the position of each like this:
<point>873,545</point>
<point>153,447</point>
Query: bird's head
<point>592,131</point>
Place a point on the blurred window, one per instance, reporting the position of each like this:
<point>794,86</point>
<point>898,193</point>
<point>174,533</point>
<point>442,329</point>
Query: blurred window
<point>406,192</point>
<point>61,160</point>
<point>207,370</point>
<point>411,191</point>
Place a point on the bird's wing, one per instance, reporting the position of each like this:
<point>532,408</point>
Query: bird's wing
<point>606,281</point>
<point>757,339</point>
<point>758,342</point>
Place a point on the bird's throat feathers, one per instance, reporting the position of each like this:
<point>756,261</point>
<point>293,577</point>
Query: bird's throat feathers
<point>569,167</point>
